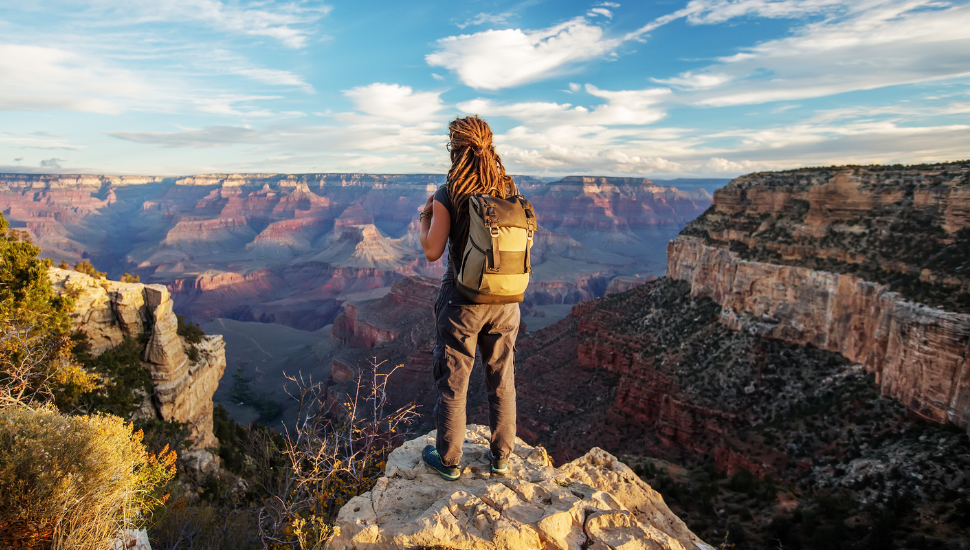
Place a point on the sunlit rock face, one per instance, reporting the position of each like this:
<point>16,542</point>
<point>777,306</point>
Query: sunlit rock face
<point>107,312</point>
<point>292,249</point>
<point>592,502</point>
<point>872,263</point>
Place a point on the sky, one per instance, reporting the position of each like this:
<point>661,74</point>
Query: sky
<point>671,88</point>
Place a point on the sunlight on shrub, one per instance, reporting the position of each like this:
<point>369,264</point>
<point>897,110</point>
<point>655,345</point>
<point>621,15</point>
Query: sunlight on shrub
<point>74,481</point>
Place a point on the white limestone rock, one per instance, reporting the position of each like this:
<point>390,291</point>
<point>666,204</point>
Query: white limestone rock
<point>592,502</point>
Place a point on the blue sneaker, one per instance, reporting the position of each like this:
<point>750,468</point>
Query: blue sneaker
<point>500,466</point>
<point>432,458</point>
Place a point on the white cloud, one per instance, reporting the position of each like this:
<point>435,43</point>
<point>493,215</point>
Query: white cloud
<point>290,23</point>
<point>41,78</point>
<point>486,18</point>
<point>892,43</point>
<point>396,102</point>
<point>495,59</point>
<point>624,107</point>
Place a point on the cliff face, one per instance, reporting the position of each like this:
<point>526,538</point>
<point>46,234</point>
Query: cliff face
<point>904,227</point>
<point>397,329</point>
<point>871,263</point>
<point>110,311</point>
<point>593,502</point>
<point>654,372</point>
<point>919,354</point>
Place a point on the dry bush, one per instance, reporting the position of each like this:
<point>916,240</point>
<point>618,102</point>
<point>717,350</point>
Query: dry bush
<point>74,481</point>
<point>329,459</point>
<point>187,522</point>
<point>37,367</point>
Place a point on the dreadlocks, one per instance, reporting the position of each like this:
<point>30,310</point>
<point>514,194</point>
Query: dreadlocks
<point>475,168</point>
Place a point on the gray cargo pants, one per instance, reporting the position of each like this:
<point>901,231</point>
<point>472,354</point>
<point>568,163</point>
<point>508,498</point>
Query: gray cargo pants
<point>493,328</point>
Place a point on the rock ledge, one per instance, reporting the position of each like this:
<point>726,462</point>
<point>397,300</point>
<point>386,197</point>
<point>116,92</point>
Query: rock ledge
<point>593,502</point>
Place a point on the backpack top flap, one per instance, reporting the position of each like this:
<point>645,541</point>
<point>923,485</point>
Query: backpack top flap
<point>515,211</point>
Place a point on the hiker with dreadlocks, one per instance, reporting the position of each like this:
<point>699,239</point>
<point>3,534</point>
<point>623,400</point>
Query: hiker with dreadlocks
<point>488,227</point>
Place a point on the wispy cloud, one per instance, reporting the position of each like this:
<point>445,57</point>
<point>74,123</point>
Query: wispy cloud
<point>291,24</point>
<point>40,78</point>
<point>624,107</point>
<point>891,44</point>
<point>486,19</point>
<point>212,136</point>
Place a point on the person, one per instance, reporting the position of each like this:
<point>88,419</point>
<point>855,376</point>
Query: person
<point>460,324</point>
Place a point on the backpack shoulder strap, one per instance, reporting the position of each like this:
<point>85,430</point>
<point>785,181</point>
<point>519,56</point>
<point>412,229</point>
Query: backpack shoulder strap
<point>490,216</point>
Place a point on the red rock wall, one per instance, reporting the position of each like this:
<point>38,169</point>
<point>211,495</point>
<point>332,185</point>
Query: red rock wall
<point>919,354</point>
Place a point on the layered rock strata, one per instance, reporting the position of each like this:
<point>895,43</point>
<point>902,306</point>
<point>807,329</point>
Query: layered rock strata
<point>592,502</point>
<point>919,354</point>
<point>290,248</point>
<point>107,312</point>
<point>395,329</point>
<point>869,262</point>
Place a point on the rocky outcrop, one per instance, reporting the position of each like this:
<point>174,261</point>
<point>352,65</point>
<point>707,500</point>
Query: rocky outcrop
<point>869,262</point>
<point>625,283</point>
<point>902,226</point>
<point>593,502</point>
<point>108,312</point>
<point>918,353</point>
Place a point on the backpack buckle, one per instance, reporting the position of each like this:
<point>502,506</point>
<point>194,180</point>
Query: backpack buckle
<point>494,231</point>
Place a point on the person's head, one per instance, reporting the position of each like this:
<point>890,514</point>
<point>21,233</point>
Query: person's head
<point>475,166</point>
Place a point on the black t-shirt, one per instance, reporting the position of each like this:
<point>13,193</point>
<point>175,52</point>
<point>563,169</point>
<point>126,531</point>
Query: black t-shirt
<point>441,195</point>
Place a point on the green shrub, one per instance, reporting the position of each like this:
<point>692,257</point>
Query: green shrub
<point>190,331</point>
<point>129,278</point>
<point>124,380</point>
<point>85,267</point>
<point>74,481</point>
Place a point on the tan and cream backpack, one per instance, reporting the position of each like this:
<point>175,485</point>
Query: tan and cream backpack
<point>495,265</point>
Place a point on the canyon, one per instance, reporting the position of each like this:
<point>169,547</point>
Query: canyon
<point>811,332</point>
<point>292,249</point>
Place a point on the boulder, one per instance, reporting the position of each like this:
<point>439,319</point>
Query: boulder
<point>592,502</point>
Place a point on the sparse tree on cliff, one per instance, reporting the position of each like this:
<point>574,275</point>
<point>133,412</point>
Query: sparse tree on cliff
<point>35,349</point>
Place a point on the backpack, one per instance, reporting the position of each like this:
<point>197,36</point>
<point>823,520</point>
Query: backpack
<point>495,265</point>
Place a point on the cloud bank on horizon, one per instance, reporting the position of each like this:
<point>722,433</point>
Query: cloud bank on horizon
<point>681,88</point>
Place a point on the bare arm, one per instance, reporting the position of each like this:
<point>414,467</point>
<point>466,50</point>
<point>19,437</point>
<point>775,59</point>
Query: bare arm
<point>434,232</point>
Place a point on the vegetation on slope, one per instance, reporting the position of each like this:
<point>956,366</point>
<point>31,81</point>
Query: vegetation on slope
<point>892,241</point>
<point>66,481</point>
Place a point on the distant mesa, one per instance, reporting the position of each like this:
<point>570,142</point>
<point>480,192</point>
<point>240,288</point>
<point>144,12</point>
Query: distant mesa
<point>311,239</point>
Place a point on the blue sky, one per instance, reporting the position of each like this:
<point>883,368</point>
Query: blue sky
<point>672,88</point>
